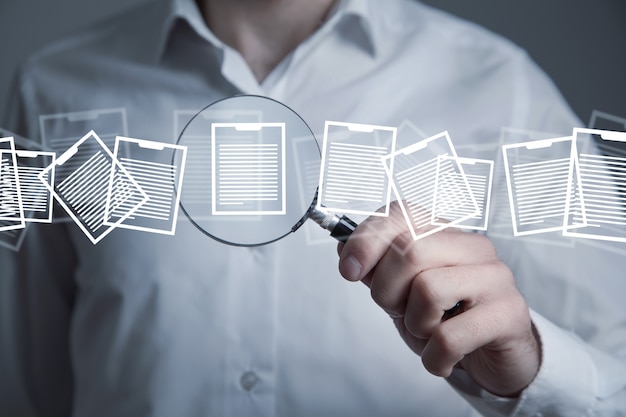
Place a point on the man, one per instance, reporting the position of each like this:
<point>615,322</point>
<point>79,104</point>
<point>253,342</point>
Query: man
<point>144,325</point>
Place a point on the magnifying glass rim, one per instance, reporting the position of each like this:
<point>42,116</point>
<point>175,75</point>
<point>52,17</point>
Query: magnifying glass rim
<point>297,225</point>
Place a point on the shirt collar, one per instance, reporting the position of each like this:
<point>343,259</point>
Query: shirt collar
<point>158,22</point>
<point>361,11</point>
<point>161,20</point>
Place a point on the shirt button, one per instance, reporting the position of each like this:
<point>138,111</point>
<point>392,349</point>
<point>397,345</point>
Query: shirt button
<point>248,380</point>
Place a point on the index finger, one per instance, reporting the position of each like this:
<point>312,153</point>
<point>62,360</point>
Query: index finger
<point>369,242</point>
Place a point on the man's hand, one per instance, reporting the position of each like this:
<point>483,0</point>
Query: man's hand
<point>491,336</point>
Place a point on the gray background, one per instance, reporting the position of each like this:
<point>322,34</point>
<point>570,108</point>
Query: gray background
<point>580,43</point>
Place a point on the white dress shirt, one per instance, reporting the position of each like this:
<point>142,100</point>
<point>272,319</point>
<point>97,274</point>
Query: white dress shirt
<point>151,325</point>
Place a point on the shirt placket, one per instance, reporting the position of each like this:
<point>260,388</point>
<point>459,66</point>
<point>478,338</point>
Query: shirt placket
<point>251,346</point>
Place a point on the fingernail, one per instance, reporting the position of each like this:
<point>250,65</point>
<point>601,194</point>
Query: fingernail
<point>351,268</point>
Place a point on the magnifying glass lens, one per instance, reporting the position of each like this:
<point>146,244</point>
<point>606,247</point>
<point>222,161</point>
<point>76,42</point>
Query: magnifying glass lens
<point>251,172</point>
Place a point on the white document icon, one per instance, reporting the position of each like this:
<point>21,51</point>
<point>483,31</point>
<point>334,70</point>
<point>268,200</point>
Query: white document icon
<point>421,171</point>
<point>248,168</point>
<point>352,178</point>
<point>13,232</point>
<point>81,186</point>
<point>605,121</point>
<point>601,174</point>
<point>195,129</point>
<point>540,174</point>
<point>158,168</point>
<point>11,206</point>
<point>61,130</point>
<point>451,194</point>
<point>36,196</point>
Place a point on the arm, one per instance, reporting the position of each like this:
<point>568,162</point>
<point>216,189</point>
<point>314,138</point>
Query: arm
<point>495,347</point>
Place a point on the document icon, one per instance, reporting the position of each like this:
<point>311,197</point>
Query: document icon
<point>81,186</point>
<point>29,155</point>
<point>601,172</point>
<point>352,178</point>
<point>11,205</point>
<point>195,131</point>
<point>421,171</point>
<point>605,121</point>
<point>61,130</point>
<point>248,161</point>
<point>451,194</point>
<point>158,169</point>
<point>540,174</point>
<point>36,196</point>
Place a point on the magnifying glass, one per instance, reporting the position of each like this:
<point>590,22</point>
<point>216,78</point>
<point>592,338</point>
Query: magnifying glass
<point>251,173</point>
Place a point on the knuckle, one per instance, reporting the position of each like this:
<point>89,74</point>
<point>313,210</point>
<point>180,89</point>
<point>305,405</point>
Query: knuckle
<point>504,271</point>
<point>448,342</point>
<point>387,296</point>
<point>417,326</point>
<point>424,289</point>
<point>486,246</point>
<point>407,249</point>
<point>381,297</point>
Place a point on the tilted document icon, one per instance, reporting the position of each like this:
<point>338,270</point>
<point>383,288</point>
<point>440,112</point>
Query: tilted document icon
<point>11,205</point>
<point>158,168</point>
<point>60,131</point>
<point>352,178</point>
<point>451,195</point>
<point>81,186</point>
<point>606,121</point>
<point>36,202</point>
<point>248,168</point>
<point>601,172</point>
<point>421,171</point>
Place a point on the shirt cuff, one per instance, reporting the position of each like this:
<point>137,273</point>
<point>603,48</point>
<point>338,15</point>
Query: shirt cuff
<point>564,385</point>
<point>483,401</point>
<point>567,379</point>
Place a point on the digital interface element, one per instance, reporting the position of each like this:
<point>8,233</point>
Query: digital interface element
<point>352,178</point>
<point>11,206</point>
<point>451,186</point>
<point>604,121</point>
<point>539,177</point>
<point>197,133</point>
<point>60,131</point>
<point>12,233</point>
<point>254,158</point>
<point>501,222</point>
<point>81,186</point>
<point>415,174</point>
<point>36,197</point>
<point>158,169</point>
<point>248,168</point>
<point>601,172</point>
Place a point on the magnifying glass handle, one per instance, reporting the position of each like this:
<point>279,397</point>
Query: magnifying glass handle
<point>339,227</point>
<point>343,229</point>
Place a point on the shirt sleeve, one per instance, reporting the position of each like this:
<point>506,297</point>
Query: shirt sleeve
<point>575,379</point>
